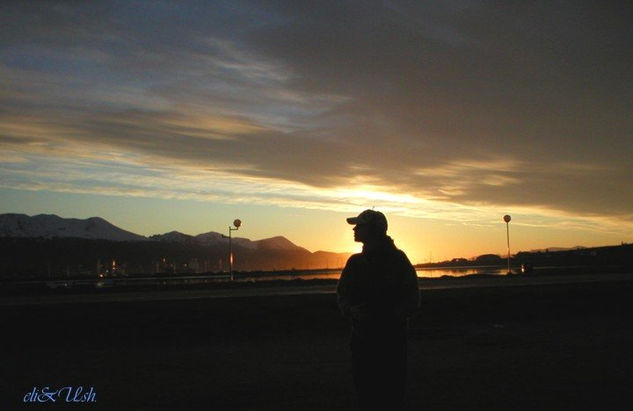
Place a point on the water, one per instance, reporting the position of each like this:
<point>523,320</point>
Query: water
<point>189,279</point>
<point>460,271</point>
<point>335,274</point>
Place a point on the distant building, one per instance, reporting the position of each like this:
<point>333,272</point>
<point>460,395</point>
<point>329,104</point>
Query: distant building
<point>194,265</point>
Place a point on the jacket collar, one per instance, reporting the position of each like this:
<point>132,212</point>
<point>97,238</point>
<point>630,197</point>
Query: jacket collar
<point>378,247</point>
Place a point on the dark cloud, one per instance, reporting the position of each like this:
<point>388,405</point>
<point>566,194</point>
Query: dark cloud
<point>470,102</point>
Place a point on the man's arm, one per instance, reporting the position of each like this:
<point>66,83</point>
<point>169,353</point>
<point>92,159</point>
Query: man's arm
<point>410,292</point>
<point>343,291</point>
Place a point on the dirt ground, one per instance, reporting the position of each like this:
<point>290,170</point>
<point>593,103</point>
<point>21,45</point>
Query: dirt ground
<point>526,347</point>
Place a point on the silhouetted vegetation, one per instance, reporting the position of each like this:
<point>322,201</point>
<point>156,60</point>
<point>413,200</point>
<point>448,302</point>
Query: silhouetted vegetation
<point>612,256</point>
<point>604,258</point>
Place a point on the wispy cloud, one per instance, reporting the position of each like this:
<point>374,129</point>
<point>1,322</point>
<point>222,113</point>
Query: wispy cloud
<point>449,111</point>
<point>118,174</point>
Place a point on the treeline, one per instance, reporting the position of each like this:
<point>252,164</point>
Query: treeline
<point>482,260</point>
<point>620,257</point>
<point>611,256</point>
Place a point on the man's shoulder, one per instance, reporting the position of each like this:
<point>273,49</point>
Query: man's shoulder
<point>401,257</point>
<point>401,253</point>
<point>355,258</point>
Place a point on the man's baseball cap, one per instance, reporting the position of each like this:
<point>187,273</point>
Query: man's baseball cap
<point>370,217</point>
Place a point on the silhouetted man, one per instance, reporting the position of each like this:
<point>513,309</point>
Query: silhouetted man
<point>378,290</point>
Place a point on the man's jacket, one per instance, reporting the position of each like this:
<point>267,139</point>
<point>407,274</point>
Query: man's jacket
<point>378,290</point>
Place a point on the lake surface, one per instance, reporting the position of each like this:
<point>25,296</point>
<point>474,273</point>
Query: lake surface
<point>191,279</point>
<point>335,274</point>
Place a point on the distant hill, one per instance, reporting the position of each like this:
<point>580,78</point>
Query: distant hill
<point>214,239</point>
<point>52,226</point>
<point>46,244</point>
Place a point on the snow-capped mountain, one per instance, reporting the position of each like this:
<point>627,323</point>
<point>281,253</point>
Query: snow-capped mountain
<point>277,243</point>
<point>212,239</point>
<point>205,252</point>
<point>96,228</point>
<point>51,226</point>
<point>172,236</point>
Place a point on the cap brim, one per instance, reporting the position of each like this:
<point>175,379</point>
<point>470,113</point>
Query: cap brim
<point>353,220</point>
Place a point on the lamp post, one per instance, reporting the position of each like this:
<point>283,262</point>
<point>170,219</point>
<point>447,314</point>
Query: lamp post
<point>507,219</point>
<point>237,223</point>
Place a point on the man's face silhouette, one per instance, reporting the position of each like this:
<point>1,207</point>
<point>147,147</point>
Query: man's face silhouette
<point>363,233</point>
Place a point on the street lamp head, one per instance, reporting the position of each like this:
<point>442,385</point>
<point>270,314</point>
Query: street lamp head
<point>237,223</point>
<point>507,218</point>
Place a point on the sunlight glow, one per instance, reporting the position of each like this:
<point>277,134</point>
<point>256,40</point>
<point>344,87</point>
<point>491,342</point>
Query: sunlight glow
<point>374,195</point>
<point>104,171</point>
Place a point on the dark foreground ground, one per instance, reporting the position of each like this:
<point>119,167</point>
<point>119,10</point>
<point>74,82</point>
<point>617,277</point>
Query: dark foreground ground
<point>548,347</point>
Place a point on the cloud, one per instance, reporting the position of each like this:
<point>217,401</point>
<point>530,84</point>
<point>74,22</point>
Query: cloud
<point>453,108</point>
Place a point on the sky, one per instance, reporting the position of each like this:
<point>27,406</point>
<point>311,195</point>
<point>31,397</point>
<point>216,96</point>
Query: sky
<point>292,115</point>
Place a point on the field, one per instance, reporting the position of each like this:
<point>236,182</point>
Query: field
<point>534,346</point>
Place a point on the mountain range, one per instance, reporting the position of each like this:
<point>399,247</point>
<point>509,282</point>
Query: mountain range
<point>52,226</point>
<point>97,239</point>
<point>96,228</point>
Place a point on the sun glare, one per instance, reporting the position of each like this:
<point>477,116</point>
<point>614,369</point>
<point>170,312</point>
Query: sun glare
<point>374,194</point>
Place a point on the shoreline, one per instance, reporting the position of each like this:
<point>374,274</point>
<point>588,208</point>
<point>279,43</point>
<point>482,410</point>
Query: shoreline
<point>285,288</point>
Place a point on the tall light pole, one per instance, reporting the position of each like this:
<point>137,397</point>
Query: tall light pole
<point>507,219</point>
<point>237,223</point>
